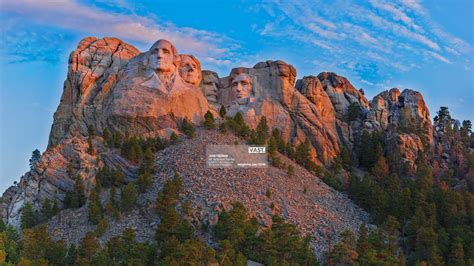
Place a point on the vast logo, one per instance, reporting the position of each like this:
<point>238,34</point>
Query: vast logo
<point>256,149</point>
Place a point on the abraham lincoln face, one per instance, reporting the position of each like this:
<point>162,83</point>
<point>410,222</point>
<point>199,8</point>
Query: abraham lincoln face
<point>242,86</point>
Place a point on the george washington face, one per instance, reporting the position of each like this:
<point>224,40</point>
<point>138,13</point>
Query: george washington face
<point>163,57</point>
<point>242,86</point>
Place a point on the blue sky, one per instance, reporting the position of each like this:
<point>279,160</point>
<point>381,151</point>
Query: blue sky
<point>377,44</point>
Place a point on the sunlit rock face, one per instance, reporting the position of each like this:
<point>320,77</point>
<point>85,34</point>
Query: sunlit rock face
<point>92,70</point>
<point>268,89</point>
<point>210,85</point>
<point>149,100</point>
<point>190,69</point>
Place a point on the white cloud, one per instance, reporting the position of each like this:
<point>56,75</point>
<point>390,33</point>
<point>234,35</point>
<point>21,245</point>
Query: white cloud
<point>439,57</point>
<point>91,20</point>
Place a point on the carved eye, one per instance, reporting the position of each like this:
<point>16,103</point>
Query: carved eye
<point>166,51</point>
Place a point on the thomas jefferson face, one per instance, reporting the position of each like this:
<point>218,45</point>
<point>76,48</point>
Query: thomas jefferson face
<point>190,70</point>
<point>162,56</point>
<point>242,86</point>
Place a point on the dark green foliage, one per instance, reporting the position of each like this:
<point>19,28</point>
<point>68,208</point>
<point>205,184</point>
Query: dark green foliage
<point>332,180</point>
<point>237,125</point>
<point>28,217</point>
<point>290,171</point>
<point>380,168</point>
<point>346,157</point>
<point>260,135</point>
<point>353,112</point>
<point>188,128</point>
<point>344,252</point>
<point>116,140</point>
<point>35,157</point>
<point>302,155</point>
<point>129,196</point>
<point>107,177</point>
<point>102,227</point>
<point>37,246</point>
<point>235,226</point>
<point>222,111</point>
<point>76,198</point>
<point>370,149</point>
<point>442,120</point>
<point>90,137</point>
<point>132,150</point>
<point>282,243</point>
<point>174,138</point>
<point>209,121</point>
<point>169,194</point>
<point>145,180</point>
<point>49,209</point>
<point>3,227</point>
<point>95,208</point>
<point>107,135</point>
<point>112,205</point>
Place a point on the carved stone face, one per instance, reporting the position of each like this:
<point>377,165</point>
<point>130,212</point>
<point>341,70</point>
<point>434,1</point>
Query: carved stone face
<point>209,85</point>
<point>163,56</point>
<point>190,70</point>
<point>242,86</point>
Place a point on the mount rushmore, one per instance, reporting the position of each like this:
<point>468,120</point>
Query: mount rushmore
<point>111,84</point>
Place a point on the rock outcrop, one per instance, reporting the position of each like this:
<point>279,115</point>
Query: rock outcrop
<point>110,84</point>
<point>92,70</point>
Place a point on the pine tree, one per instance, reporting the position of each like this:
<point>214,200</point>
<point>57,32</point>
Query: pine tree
<point>107,137</point>
<point>174,138</point>
<point>89,246</point>
<point>188,128</point>
<point>28,218</point>
<point>456,255</point>
<point>222,111</point>
<point>346,156</point>
<point>363,240</point>
<point>303,153</point>
<point>144,181</point>
<point>262,131</point>
<point>380,169</point>
<point>392,226</point>
<point>91,134</point>
<point>209,121</point>
<point>290,171</point>
<point>129,196</point>
<point>35,157</point>
<point>117,139</point>
<point>95,208</point>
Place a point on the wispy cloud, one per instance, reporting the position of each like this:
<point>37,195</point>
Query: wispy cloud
<point>439,57</point>
<point>394,34</point>
<point>84,19</point>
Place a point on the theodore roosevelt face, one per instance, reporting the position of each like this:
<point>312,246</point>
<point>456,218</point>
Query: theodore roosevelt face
<point>162,57</point>
<point>190,70</point>
<point>242,86</point>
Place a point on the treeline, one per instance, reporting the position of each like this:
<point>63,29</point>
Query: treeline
<point>424,220</point>
<point>238,239</point>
